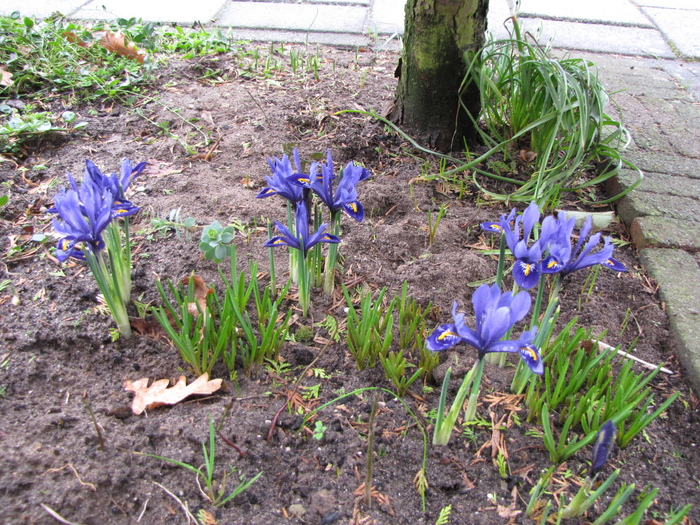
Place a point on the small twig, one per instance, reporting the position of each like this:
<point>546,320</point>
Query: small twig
<point>370,452</point>
<point>68,465</point>
<point>259,106</point>
<point>56,515</point>
<point>231,444</point>
<point>645,364</point>
<point>143,511</point>
<point>94,422</point>
<point>187,512</point>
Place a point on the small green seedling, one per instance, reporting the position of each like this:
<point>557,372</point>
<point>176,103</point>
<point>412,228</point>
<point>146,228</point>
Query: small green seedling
<point>214,241</point>
<point>319,430</point>
<point>212,491</point>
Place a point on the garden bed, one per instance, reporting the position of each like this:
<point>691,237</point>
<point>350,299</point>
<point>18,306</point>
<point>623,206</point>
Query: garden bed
<point>60,367</point>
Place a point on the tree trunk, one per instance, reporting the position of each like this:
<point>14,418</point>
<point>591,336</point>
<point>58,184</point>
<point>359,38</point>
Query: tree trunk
<point>437,35</point>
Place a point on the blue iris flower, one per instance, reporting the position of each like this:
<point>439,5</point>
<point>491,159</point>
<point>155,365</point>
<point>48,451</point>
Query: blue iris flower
<point>83,216</point>
<point>281,181</point>
<point>117,186</point>
<point>564,257</point>
<point>303,241</point>
<point>526,270</point>
<point>496,313</point>
<point>345,196</point>
<point>602,446</point>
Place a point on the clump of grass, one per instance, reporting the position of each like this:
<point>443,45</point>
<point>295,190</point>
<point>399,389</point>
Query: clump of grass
<point>548,111</point>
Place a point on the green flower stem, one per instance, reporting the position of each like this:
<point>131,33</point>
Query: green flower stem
<point>273,279</point>
<point>293,266</point>
<point>332,257</point>
<point>470,413</point>
<point>444,425</point>
<point>119,258</point>
<point>109,287</point>
<point>522,372</point>
<point>303,281</point>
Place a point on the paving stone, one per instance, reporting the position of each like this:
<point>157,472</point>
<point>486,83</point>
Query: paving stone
<point>664,232</point>
<point>642,203</point>
<point>304,37</point>
<point>664,162</point>
<point>681,30</point>
<point>176,12</point>
<point>295,17</point>
<point>669,4</point>
<point>39,8</point>
<point>678,277</point>
<point>600,38</point>
<point>661,183</point>
<point>614,12</point>
<point>387,17</point>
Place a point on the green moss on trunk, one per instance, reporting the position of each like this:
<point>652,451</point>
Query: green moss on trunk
<point>437,35</point>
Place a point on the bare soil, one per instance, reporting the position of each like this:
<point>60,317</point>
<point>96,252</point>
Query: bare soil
<point>57,357</point>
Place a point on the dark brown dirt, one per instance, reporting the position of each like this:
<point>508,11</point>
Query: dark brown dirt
<point>57,356</point>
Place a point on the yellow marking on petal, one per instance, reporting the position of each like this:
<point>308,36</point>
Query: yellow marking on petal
<point>305,181</point>
<point>65,245</point>
<point>552,264</point>
<point>528,269</point>
<point>497,226</point>
<point>122,211</point>
<point>530,351</point>
<point>446,334</point>
<point>353,206</point>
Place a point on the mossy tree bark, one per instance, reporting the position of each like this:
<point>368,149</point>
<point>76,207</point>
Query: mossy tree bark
<point>437,35</point>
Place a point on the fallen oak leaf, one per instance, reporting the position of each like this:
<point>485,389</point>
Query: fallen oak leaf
<point>201,291</point>
<point>158,394</point>
<point>114,42</point>
<point>5,77</point>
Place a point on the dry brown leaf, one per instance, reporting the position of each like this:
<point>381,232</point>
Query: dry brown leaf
<point>159,394</point>
<point>201,290</point>
<point>527,155</point>
<point>5,77</point>
<point>114,42</point>
<point>74,39</point>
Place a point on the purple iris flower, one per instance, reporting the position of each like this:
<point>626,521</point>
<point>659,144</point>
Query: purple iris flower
<point>303,240</point>
<point>82,218</point>
<point>526,270</point>
<point>603,444</point>
<point>345,196</point>
<point>281,181</point>
<point>117,185</point>
<point>564,258</point>
<point>496,313</point>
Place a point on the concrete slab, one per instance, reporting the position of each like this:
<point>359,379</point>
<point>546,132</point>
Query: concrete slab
<point>176,12</point>
<point>669,4</point>
<point>295,17</point>
<point>615,12</point>
<point>39,8</point>
<point>679,26</point>
<point>306,37</point>
<point>601,38</point>
<point>499,12</point>
<point>387,17</point>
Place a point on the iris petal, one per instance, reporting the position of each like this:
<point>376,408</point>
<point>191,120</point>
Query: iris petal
<point>444,337</point>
